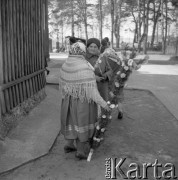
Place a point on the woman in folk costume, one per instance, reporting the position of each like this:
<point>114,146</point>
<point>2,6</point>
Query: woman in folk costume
<point>122,67</point>
<point>80,97</point>
<point>93,52</point>
<point>105,68</point>
<point>103,73</point>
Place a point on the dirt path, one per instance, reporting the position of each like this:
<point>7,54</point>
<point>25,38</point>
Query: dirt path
<point>147,132</point>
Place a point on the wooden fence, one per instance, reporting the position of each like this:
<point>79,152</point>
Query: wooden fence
<point>23,50</point>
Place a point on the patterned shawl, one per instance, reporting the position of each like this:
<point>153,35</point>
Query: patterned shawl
<point>77,77</point>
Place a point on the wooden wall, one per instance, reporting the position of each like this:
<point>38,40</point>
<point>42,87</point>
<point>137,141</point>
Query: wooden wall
<point>23,50</point>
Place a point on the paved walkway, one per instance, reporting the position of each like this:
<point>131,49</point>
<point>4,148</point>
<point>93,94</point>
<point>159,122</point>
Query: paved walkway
<point>34,136</point>
<point>161,80</point>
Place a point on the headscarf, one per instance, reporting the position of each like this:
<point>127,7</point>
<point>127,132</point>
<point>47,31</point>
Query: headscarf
<point>93,40</point>
<point>77,78</point>
<point>78,48</point>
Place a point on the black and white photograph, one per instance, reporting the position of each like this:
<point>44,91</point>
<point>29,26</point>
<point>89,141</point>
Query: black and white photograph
<point>88,89</point>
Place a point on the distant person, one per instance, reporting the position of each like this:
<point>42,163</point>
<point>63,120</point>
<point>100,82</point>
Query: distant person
<point>104,45</point>
<point>107,40</point>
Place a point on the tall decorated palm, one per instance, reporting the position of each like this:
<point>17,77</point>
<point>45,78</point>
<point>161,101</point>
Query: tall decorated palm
<point>122,68</point>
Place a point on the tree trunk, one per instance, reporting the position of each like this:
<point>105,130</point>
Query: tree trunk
<point>139,26</point>
<point>72,14</point>
<point>62,33</point>
<point>146,12</point>
<point>135,33</point>
<point>85,19</point>
<point>112,21</point>
<point>162,23</point>
<point>118,25</point>
<point>166,24</point>
<point>144,33</point>
<point>157,32</point>
<point>156,17</point>
<point>101,19</point>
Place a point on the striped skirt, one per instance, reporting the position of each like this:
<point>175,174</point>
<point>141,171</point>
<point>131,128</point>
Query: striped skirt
<point>78,119</point>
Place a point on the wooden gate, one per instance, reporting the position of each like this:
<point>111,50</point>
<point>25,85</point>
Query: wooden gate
<point>23,50</point>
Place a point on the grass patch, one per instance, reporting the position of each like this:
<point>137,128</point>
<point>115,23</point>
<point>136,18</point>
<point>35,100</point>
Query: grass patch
<point>11,119</point>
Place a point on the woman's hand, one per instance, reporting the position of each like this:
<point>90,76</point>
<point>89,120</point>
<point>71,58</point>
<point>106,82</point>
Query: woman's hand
<point>99,79</point>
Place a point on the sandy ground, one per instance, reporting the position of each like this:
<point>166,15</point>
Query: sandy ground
<point>147,132</point>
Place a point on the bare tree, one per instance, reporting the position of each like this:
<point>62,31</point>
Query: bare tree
<point>112,21</point>
<point>139,25</point>
<point>156,15</point>
<point>100,2</point>
<point>85,19</point>
<point>72,17</point>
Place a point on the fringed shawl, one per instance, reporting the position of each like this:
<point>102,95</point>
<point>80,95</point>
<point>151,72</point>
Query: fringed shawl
<point>77,79</point>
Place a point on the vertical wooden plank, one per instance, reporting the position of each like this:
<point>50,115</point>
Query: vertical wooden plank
<point>25,32</point>
<point>35,35</point>
<point>27,88</point>
<point>10,97</point>
<point>28,3</point>
<point>14,96</point>
<point>20,87</point>
<point>31,86</point>
<point>46,32</point>
<point>34,85</point>
<point>9,42</point>
<point>5,57</point>
<point>4,28</point>
<point>7,100</point>
<point>44,79</point>
<point>2,100</point>
<point>1,50</point>
<point>18,39</point>
<point>40,81</point>
<point>32,64</point>
<point>15,39</point>
<point>42,33</point>
<point>11,56</point>
<point>25,95</point>
<point>9,52</point>
<point>21,36</point>
<point>11,34</point>
<point>27,44</point>
<point>37,84</point>
<point>39,34</point>
<point>17,94</point>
